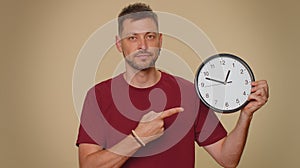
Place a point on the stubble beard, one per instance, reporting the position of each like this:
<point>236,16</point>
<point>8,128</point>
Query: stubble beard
<point>139,67</point>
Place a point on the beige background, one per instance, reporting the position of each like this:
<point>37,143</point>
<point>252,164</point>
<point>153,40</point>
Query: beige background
<point>41,39</point>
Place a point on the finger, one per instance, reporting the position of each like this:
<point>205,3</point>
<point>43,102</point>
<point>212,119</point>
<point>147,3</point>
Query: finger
<point>258,98</point>
<point>262,84</point>
<point>260,92</point>
<point>150,116</point>
<point>171,112</point>
<point>259,82</point>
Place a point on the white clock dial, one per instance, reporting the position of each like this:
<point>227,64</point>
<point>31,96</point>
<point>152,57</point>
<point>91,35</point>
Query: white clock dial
<point>223,82</point>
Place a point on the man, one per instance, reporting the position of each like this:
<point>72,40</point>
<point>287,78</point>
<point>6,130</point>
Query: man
<point>148,118</point>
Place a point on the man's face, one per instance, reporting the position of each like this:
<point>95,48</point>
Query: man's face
<point>140,43</point>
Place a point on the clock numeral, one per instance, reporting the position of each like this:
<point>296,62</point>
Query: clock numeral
<point>233,65</point>
<point>202,84</point>
<point>242,71</point>
<point>212,66</point>
<point>237,101</point>
<point>222,62</point>
<point>216,101</point>
<point>244,93</point>
<point>207,95</point>
<point>226,104</point>
<point>206,73</point>
<point>246,82</point>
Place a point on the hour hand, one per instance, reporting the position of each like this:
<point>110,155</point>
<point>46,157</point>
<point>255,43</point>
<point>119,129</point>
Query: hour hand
<point>207,78</point>
<point>227,76</point>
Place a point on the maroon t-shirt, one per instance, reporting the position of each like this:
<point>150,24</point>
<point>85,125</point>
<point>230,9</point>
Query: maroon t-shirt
<point>113,108</point>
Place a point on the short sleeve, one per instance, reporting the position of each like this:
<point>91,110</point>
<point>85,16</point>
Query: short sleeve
<point>92,126</point>
<point>83,137</point>
<point>208,128</point>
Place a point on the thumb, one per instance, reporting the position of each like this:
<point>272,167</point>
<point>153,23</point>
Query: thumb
<point>171,112</point>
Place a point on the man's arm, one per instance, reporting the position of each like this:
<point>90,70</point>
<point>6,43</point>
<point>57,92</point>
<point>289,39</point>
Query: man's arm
<point>227,151</point>
<point>91,155</point>
<point>149,128</point>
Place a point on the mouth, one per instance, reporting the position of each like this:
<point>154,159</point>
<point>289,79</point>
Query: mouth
<point>143,55</point>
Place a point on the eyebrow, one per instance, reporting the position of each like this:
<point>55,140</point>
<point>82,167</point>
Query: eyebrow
<point>133,33</point>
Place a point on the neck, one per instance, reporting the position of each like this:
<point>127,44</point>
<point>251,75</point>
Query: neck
<point>142,79</point>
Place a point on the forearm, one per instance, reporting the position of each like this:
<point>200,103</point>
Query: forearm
<point>234,144</point>
<point>228,150</point>
<point>113,157</point>
<point>149,129</point>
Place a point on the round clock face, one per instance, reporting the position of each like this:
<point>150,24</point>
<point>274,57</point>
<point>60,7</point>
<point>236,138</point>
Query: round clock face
<point>223,83</point>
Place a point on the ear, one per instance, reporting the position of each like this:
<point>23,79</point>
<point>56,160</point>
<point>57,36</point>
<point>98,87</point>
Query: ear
<point>160,40</point>
<point>118,43</point>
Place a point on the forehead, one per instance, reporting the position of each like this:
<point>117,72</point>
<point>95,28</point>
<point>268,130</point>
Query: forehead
<point>131,26</point>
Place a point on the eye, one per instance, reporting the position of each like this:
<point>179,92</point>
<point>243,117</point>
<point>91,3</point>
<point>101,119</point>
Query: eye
<point>151,36</point>
<point>132,38</point>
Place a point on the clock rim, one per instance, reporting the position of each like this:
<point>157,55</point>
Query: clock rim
<point>204,63</point>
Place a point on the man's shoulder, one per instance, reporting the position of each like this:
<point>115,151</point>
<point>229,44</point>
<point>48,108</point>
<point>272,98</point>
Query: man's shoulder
<point>103,84</point>
<point>106,84</point>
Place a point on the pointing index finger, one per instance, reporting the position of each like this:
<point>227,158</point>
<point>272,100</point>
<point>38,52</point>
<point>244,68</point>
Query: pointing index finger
<point>171,112</point>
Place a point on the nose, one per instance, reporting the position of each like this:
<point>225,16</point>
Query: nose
<point>142,44</point>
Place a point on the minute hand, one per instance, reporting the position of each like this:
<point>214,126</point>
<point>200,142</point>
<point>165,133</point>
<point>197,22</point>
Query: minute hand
<point>207,78</point>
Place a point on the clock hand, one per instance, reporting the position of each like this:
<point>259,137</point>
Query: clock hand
<point>207,78</point>
<point>227,77</point>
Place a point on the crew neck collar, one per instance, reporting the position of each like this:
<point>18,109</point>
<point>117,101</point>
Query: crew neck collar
<point>142,88</point>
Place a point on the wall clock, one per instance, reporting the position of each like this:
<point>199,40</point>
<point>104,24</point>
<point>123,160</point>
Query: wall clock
<point>223,82</point>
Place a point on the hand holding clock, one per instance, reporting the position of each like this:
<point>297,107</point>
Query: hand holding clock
<point>224,83</point>
<point>258,97</point>
<point>241,92</point>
